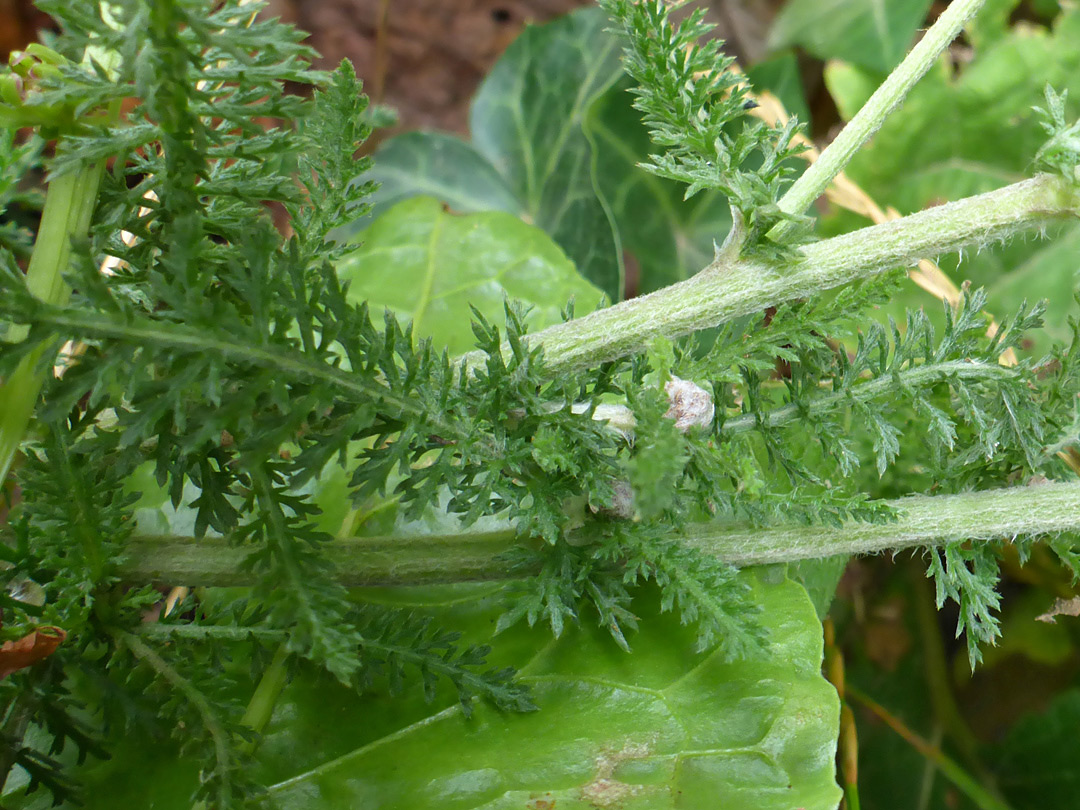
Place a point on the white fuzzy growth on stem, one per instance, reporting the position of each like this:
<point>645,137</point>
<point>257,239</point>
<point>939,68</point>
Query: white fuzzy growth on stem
<point>691,405</point>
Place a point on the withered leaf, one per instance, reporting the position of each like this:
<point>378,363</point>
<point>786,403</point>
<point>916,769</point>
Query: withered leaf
<point>1062,607</point>
<point>31,648</point>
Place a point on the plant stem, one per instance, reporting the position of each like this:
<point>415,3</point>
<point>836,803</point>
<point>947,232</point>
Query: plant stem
<point>952,771</point>
<point>261,705</point>
<point>868,120</point>
<point>728,289</point>
<point>167,633</point>
<point>421,560</point>
<point>472,557</point>
<point>69,206</point>
<point>923,520</point>
<point>218,733</point>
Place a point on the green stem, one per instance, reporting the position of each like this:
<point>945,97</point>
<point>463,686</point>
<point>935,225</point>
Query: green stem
<point>922,520</point>
<point>952,771</point>
<point>359,561</point>
<point>261,705</point>
<point>728,289</point>
<point>471,557</point>
<point>69,206</point>
<point>167,633</point>
<point>868,120</point>
<point>214,727</point>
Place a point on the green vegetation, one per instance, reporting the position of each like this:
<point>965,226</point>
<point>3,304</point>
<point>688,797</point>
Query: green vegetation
<point>458,527</point>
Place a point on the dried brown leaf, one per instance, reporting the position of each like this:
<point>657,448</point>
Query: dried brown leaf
<point>31,648</point>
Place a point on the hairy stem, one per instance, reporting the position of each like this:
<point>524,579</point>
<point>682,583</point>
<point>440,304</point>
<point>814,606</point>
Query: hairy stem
<point>422,560</point>
<point>469,557</point>
<point>728,289</point>
<point>882,103</point>
<point>69,206</point>
<point>725,290</point>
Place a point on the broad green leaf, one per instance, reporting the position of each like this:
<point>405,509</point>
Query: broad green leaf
<point>529,153</point>
<point>527,120</point>
<point>556,141</point>
<point>874,34</point>
<point>442,262</point>
<point>669,238</point>
<point>443,166</point>
<point>661,727</point>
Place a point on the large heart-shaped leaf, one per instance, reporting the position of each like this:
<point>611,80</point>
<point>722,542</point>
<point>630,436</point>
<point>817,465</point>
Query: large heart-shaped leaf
<point>428,265</point>
<point>527,120</point>
<point>530,154</point>
<point>659,728</point>
<point>556,142</point>
<point>669,237</point>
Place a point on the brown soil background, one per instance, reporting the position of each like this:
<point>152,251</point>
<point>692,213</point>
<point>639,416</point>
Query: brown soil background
<point>424,58</point>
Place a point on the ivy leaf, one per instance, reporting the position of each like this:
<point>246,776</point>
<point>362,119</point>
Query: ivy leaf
<point>530,154</point>
<point>444,262</point>
<point>669,237</point>
<point>556,142</point>
<point>874,34</point>
<point>443,166</point>
<point>526,119</point>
